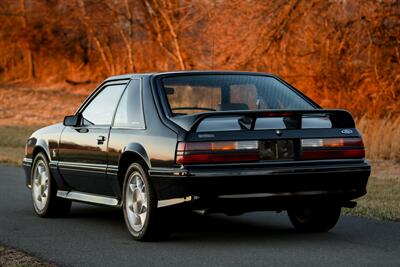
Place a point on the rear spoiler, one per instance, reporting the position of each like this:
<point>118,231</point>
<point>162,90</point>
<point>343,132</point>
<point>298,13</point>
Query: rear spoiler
<point>339,118</point>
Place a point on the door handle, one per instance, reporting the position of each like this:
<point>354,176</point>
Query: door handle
<point>101,139</point>
<point>82,130</point>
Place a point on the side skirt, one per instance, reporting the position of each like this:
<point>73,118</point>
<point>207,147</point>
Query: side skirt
<point>174,201</point>
<point>110,201</point>
<point>89,198</point>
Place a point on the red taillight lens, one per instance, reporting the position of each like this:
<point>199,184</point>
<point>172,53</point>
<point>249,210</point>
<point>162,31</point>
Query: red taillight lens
<point>332,148</point>
<point>217,152</point>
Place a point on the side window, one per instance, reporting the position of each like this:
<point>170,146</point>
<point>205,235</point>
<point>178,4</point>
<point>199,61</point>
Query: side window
<point>130,113</point>
<point>101,109</point>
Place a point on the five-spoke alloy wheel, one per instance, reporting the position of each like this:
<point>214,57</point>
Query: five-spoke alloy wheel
<point>40,185</point>
<point>44,190</point>
<point>136,201</point>
<point>141,215</point>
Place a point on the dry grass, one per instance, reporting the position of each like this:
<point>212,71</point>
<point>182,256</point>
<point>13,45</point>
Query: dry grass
<point>12,143</point>
<point>10,257</point>
<point>381,138</point>
<point>383,198</point>
<point>27,106</point>
<point>11,155</point>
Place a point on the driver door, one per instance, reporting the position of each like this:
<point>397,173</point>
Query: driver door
<point>83,148</point>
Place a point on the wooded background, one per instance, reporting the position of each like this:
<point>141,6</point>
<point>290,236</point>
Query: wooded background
<point>340,53</point>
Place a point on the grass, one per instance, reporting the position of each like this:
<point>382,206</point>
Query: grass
<point>10,257</point>
<point>381,137</point>
<point>382,200</point>
<point>12,143</point>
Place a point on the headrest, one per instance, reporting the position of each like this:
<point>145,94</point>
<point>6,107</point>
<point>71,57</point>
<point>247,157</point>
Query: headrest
<point>232,106</point>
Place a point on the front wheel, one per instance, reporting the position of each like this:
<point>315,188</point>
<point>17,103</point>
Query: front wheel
<point>44,190</point>
<point>314,219</point>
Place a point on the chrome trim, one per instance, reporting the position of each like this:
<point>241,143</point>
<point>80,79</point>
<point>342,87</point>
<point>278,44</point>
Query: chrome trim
<point>257,169</point>
<point>82,167</point>
<point>87,197</point>
<point>53,164</point>
<point>112,169</point>
<point>280,171</point>
<point>346,131</point>
<point>292,163</point>
<point>62,194</point>
<point>283,194</point>
<point>174,201</point>
<point>161,172</point>
<point>27,162</point>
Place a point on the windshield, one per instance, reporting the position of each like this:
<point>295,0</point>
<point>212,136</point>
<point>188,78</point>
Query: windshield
<point>221,92</point>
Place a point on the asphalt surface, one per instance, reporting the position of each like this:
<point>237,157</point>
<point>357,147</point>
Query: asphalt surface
<point>96,236</point>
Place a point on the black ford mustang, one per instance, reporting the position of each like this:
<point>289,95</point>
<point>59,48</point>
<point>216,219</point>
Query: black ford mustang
<point>229,142</point>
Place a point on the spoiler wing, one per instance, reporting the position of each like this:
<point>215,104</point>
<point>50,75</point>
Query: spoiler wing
<point>339,118</point>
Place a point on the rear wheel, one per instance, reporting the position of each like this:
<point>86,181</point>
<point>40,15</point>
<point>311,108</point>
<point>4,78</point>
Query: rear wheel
<point>314,219</point>
<point>44,190</point>
<point>141,215</point>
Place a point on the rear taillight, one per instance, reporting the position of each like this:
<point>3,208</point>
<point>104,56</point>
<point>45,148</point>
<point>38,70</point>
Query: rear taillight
<point>217,152</point>
<point>332,148</point>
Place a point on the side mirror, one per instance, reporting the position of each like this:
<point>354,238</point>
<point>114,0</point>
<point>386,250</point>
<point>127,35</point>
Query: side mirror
<point>72,120</point>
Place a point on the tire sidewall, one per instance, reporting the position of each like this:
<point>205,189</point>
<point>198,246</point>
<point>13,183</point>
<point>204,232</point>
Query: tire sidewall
<point>136,167</point>
<point>321,218</point>
<point>41,157</point>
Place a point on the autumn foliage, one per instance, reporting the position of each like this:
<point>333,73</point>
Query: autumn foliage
<point>341,53</point>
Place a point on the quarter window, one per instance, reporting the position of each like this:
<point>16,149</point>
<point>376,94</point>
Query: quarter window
<point>130,113</point>
<point>101,109</point>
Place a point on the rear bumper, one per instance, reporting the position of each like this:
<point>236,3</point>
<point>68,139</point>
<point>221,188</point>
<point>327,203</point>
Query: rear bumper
<point>311,180</point>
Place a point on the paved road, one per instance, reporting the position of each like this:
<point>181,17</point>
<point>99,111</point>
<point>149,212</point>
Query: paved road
<point>96,236</point>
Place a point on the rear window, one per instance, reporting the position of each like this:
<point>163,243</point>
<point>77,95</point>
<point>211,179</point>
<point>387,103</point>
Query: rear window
<point>204,93</point>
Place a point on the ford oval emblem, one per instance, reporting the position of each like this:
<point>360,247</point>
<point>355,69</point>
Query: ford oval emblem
<point>346,131</point>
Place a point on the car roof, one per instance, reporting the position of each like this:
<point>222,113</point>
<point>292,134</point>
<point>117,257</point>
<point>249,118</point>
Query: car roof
<point>133,75</point>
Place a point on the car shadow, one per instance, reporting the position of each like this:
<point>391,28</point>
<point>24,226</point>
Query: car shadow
<point>189,227</point>
<point>251,227</point>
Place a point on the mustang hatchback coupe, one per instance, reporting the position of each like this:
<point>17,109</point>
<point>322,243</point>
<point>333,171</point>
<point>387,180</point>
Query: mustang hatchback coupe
<point>227,142</point>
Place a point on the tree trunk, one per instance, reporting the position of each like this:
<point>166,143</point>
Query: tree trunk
<point>29,56</point>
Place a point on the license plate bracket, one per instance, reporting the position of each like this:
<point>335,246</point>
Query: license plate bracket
<point>277,150</point>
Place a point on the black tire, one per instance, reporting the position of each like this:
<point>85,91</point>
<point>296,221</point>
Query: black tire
<point>54,206</point>
<point>153,227</point>
<point>314,219</point>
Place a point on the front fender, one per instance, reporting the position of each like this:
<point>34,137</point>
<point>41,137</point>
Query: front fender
<point>33,146</point>
<point>42,145</point>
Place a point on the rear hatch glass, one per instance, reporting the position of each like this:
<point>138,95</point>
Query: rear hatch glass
<point>192,94</point>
